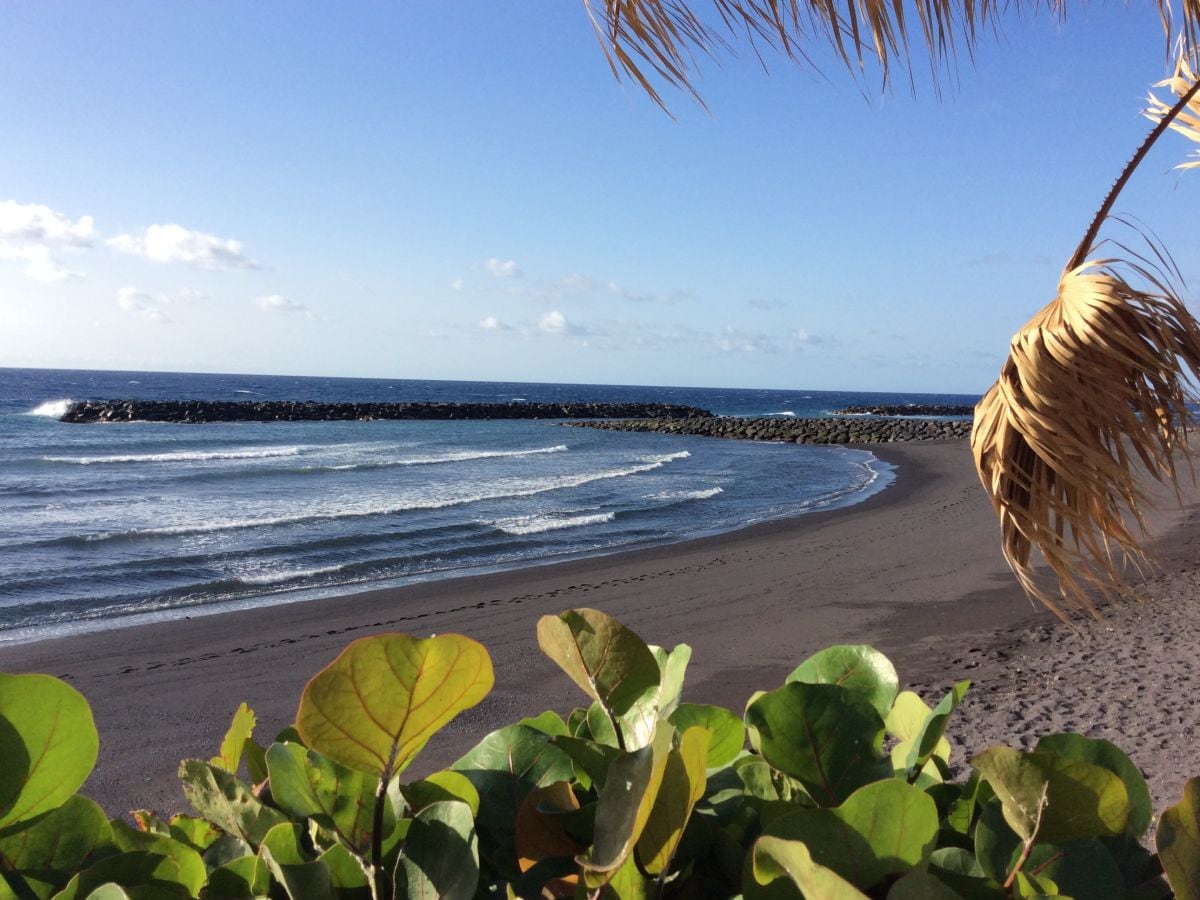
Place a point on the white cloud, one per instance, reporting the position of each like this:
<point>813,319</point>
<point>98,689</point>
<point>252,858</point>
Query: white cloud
<point>554,322</point>
<point>30,231</point>
<point>456,284</point>
<point>141,304</point>
<point>37,224</point>
<point>502,268</point>
<point>174,243</point>
<point>491,323</point>
<point>277,303</point>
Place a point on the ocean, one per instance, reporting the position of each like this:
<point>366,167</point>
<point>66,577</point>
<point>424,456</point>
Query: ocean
<point>103,526</point>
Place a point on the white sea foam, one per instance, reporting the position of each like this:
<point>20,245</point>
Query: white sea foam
<point>786,412</point>
<point>280,576</point>
<point>55,409</point>
<point>703,494</point>
<point>245,392</point>
<point>453,456</point>
<point>178,456</point>
<point>522,525</point>
<point>504,490</point>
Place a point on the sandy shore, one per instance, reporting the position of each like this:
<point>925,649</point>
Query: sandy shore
<point>914,570</point>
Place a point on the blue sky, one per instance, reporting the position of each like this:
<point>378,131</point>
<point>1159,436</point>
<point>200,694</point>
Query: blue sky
<point>463,191</point>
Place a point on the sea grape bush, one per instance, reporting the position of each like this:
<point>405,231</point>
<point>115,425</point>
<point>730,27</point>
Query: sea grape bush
<point>836,784</point>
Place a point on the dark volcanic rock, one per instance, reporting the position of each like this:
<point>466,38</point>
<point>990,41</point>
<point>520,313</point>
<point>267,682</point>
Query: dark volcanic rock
<point>907,409</point>
<point>192,411</point>
<point>799,431</point>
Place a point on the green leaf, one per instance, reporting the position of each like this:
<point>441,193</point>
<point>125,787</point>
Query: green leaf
<point>882,829</point>
<point>549,722</point>
<point>773,858</point>
<point>302,878</point>
<point>1178,843</point>
<point>441,786</point>
<point>1052,797</point>
<point>607,660</point>
<point>504,767</point>
<point>108,892</point>
<point>1107,756</point>
<point>672,666</point>
<point>243,878</point>
<point>58,844</point>
<point>240,730</point>
<point>1077,868</point>
<point>921,886</point>
<point>48,742</point>
<point>930,737</point>
<point>858,668</point>
<point>683,783</point>
<point>996,845</point>
<point>441,854</point>
<point>196,833</point>
<point>347,872</point>
<point>625,804</point>
<point>727,730</point>
<point>219,797</point>
<point>592,760</point>
<point>825,736</point>
<point>374,707</point>
<point>307,784</point>
<point>139,869</point>
<point>191,871</point>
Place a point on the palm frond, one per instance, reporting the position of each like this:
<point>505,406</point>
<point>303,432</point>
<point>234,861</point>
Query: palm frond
<point>661,40</point>
<point>1093,391</point>
<point>1187,121</point>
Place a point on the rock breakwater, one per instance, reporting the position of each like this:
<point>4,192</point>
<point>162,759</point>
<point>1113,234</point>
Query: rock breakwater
<point>799,431</point>
<point>907,409</point>
<point>196,411</point>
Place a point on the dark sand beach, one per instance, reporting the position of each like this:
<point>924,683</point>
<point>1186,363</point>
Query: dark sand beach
<point>915,570</point>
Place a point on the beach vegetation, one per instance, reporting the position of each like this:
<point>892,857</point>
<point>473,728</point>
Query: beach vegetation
<point>1093,396</point>
<point>836,783</point>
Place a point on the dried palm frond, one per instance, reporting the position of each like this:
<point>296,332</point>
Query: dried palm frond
<point>1187,121</point>
<point>663,38</point>
<point>1092,387</point>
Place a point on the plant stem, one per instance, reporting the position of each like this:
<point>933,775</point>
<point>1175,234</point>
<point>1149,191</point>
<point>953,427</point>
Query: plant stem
<point>1012,876</point>
<point>1085,245</point>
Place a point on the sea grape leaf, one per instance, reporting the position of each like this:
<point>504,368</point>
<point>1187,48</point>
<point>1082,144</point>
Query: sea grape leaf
<point>625,805</point>
<point>58,844</point>
<point>441,854</point>
<point>504,767</point>
<point>1077,868</point>
<point>192,873</point>
<point>1052,797</point>
<point>607,660</point>
<point>856,667</point>
<point>240,731</point>
<point>548,722</point>
<point>444,785</point>
<point>907,715</point>
<point>301,878</point>
<point>773,858</point>
<point>601,729</point>
<point>137,869</point>
<point>825,736</point>
<point>1178,843</point>
<point>541,835</point>
<point>884,828</point>
<point>930,737</point>
<point>307,784</point>
<point>920,885</point>
<point>243,878</point>
<point>108,892</point>
<point>346,870</point>
<point>657,701</point>
<point>627,883</point>
<point>592,760</point>
<point>683,783</point>
<point>728,732</point>
<point>1107,756</point>
<point>226,802</point>
<point>374,707</point>
<point>996,845</point>
<point>200,834</point>
<point>672,666</point>
<point>48,742</point>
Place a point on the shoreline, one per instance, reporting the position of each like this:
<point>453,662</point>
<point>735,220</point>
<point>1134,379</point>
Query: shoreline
<point>915,570</point>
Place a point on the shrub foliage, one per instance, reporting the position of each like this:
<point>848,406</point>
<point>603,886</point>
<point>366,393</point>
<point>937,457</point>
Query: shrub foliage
<point>836,784</point>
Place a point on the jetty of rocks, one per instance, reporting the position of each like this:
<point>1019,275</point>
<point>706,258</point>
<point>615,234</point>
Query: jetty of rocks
<point>907,409</point>
<point>799,431</point>
<point>195,411</point>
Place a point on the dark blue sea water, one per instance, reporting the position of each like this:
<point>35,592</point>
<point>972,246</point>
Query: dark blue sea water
<point>106,525</point>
